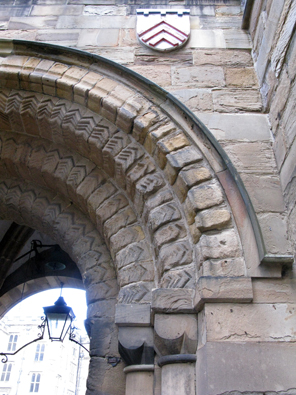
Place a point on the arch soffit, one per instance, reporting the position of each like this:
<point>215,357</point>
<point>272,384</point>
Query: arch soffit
<point>144,143</point>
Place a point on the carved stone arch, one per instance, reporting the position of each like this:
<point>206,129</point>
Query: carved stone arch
<point>118,170</point>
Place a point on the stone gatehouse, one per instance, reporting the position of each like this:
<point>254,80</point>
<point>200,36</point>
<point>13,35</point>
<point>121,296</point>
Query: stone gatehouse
<point>169,180</point>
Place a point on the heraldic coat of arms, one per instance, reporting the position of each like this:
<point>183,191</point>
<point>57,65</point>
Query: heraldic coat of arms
<point>163,30</point>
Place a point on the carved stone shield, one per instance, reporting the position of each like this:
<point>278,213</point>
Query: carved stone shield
<point>163,30</point>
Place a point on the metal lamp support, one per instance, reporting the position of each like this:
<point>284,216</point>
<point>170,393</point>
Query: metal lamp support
<point>59,308</point>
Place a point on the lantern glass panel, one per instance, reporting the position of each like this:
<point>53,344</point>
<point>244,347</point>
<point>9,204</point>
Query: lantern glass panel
<point>58,325</point>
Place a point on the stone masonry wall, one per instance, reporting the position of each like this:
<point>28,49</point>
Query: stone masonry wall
<point>213,75</point>
<point>272,29</point>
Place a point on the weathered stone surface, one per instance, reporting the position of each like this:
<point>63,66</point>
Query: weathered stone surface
<point>212,219</point>
<point>252,127</point>
<point>275,233</point>
<point>223,289</point>
<point>275,360</point>
<point>162,215</point>
<point>147,186</point>
<point>195,99</point>
<point>175,254</point>
<point>274,323</point>
<point>183,277</point>
<point>233,267</point>
<point>223,244</point>
<point>133,315</point>
<point>169,233</point>
<point>200,38</point>
<point>135,272</point>
<point>265,192</point>
<point>121,219</point>
<point>172,300</point>
<point>205,196</point>
<point>126,236</point>
<point>252,157</point>
<point>199,76</point>
<point>241,77</point>
<point>136,252</point>
<point>218,57</point>
<point>234,100</point>
<point>159,74</point>
<point>140,292</point>
<point>139,380</point>
<point>156,133</point>
<point>175,333</point>
<point>178,377</point>
<point>188,177</point>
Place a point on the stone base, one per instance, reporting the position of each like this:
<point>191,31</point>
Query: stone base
<point>245,367</point>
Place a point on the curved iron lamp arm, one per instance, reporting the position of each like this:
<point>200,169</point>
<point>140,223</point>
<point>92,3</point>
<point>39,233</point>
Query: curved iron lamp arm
<point>72,336</point>
<point>40,337</point>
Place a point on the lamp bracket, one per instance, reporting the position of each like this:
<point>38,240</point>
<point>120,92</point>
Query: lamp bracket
<point>40,337</point>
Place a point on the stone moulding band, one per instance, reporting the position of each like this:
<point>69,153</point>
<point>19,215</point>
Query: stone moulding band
<point>138,368</point>
<point>177,358</point>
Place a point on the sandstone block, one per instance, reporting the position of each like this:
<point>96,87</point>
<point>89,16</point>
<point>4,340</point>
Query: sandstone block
<point>139,292</point>
<point>113,147</point>
<point>274,322</point>
<point>172,300</point>
<point>188,177</point>
<point>147,186</point>
<point>135,272</point>
<point>173,142</point>
<point>114,100</point>
<point>169,233</point>
<point>275,233</point>
<point>159,74</point>
<point>142,124</point>
<point>126,236</point>
<point>205,196</point>
<point>162,215</point>
<point>200,38</point>
<point>98,92</point>
<point>195,99</point>
<point>133,315</point>
<point>199,76</point>
<point>143,167</point>
<point>257,157</point>
<point>50,78</point>
<point>224,244</point>
<point>175,333</point>
<point>125,160</point>
<point>32,22</point>
<point>229,267</point>
<point>119,220</point>
<point>185,277</point>
<point>86,83</point>
<point>156,133</point>
<point>128,112</point>
<point>110,207</point>
<point>234,100</point>
<point>212,219</point>
<point>65,84</point>
<point>248,127</point>
<point>98,197</point>
<point>265,192</point>
<point>241,77</point>
<point>102,290</point>
<point>223,289</point>
<point>136,252</point>
<point>218,57</point>
<point>175,254</point>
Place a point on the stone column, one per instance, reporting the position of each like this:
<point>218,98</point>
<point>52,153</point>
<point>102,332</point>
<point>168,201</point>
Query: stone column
<point>135,344</point>
<point>178,374</point>
<point>139,379</point>
<point>175,339</point>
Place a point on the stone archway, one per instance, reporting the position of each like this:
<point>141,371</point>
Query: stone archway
<point>131,186</point>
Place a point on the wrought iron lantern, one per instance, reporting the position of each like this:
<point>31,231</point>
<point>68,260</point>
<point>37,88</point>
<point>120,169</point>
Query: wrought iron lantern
<point>58,319</point>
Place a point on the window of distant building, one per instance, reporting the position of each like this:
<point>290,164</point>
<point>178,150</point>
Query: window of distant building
<point>39,354</point>
<point>35,382</point>
<point>6,371</point>
<point>12,342</point>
